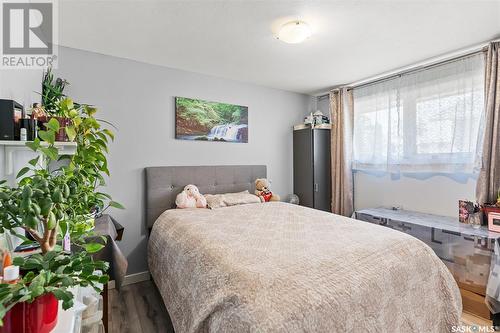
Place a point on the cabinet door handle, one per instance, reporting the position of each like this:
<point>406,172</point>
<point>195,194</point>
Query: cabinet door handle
<point>316,187</point>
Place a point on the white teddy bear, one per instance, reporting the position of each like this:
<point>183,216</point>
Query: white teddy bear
<point>190,198</point>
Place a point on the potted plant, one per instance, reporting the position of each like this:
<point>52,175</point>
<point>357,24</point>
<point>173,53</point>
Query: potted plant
<point>492,207</point>
<point>52,94</point>
<point>49,204</point>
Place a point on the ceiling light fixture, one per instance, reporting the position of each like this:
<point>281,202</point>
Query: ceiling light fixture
<point>294,32</point>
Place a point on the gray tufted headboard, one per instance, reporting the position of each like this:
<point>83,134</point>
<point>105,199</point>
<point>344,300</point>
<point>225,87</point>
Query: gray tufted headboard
<point>164,183</point>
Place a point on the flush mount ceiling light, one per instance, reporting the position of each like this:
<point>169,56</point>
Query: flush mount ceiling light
<point>294,32</point>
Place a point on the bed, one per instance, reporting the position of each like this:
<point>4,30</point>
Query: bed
<point>277,267</point>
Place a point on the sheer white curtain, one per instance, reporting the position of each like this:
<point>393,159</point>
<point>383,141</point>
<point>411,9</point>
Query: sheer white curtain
<point>425,121</point>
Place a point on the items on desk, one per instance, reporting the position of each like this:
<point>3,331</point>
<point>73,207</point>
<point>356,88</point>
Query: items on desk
<point>465,209</point>
<point>494,222</point>
<point>476,219</point>
<point>492,207</point>
<point>470,213</point>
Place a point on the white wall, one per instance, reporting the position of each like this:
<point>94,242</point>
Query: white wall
<point>138,99</point>
<point>323,104</point>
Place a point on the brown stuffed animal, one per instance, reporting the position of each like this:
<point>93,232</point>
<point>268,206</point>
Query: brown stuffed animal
<point>263,192</point>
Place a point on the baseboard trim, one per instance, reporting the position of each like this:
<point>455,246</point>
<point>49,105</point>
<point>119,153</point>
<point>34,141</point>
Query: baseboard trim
<point>132,278</point>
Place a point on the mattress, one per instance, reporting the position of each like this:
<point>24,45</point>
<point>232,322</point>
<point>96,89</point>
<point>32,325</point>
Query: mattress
<point>276,267</point>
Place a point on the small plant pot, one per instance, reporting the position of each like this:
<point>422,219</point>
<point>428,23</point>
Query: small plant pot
<point>63,123</point>
<point>40,316</point>
<point>490,208</point>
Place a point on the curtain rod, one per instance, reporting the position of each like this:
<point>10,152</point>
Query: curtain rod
<point>414,69</point>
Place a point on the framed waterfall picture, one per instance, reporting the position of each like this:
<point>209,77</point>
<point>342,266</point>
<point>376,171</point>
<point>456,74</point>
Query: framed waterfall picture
<point>196,119</point>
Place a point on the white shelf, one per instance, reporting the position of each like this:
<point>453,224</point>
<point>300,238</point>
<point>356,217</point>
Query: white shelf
<point>9,147</point>
<point>23,143</point>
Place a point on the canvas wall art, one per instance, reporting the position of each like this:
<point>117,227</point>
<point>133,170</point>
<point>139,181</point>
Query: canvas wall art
<point>196,119</point>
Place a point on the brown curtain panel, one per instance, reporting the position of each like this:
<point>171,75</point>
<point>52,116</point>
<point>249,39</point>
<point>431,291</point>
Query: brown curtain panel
<point>488,182</point>
<point>341,103</point>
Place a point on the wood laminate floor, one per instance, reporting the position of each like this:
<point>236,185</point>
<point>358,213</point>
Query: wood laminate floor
<point>138,308</point>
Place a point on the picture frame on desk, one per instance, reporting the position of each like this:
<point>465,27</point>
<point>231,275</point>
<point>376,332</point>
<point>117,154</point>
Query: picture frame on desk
<point>465,209</point>
<point>494,222</point>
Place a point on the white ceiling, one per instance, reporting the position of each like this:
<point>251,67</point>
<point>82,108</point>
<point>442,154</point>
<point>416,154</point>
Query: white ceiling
<point>351,40</point>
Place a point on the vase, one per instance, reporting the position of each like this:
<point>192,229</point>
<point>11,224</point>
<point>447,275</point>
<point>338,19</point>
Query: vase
<point>476,219</point>
<point>40,316</point>
<point>491,208</point>
<point>61,135</point>
<point>63,123</point>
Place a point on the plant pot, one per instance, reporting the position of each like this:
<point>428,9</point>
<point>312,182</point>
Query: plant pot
<point>40,316</point>
<point>490,208</point>
<point>63,122</point>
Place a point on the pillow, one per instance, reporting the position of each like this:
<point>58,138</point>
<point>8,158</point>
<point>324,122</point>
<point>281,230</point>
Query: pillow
<point>230,199</point>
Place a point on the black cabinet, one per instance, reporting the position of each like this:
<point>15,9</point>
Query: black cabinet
<point>311,167</point>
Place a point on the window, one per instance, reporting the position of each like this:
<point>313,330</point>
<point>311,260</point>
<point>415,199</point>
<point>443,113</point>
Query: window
<point>425,121</point>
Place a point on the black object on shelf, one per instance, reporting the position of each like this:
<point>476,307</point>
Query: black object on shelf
<point>31,128</point>
<point>311,167</point>
<point>11,113</point>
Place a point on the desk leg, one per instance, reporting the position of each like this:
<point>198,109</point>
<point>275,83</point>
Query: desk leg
<point>105,307</point>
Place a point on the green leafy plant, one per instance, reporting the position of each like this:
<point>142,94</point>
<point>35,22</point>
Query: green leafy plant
<point>89,165</point>
<point>42,202</point>
<point>49,202</point>
<point>54,273</point>
<point>52,92</point>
